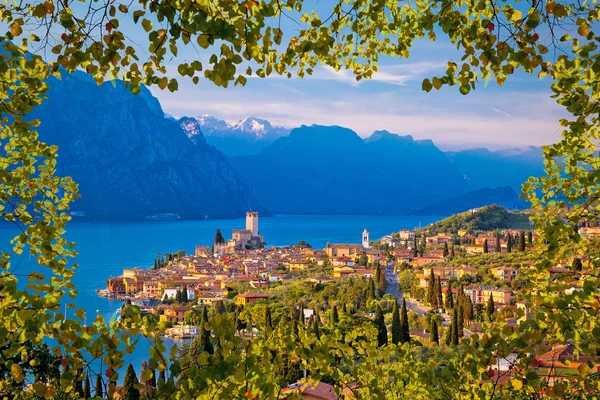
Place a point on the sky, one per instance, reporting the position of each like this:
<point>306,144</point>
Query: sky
<point>518,114</point>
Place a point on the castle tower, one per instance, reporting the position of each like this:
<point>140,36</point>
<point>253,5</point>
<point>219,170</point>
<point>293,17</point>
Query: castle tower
<point>365,239</point>
<point>252,223</point>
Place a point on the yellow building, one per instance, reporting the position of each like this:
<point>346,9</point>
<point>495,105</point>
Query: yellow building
<point>342,271</point>
<point>249,298</point>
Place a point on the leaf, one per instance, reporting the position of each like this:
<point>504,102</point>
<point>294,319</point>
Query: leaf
<point>516,383</point>
<point>426,85</point>
<point>15,29</point>
<point>516,15</point>
<point>584,29</point>
<point>147,25</point>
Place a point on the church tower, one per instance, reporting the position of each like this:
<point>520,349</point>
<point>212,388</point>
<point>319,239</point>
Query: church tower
<point>365,239</point>
<point>252,223</point>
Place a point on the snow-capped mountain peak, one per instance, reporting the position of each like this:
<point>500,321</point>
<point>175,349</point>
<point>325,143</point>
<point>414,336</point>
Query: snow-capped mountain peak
<point>259,127</point>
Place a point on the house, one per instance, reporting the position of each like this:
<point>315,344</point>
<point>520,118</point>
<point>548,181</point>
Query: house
<point>258,283</point>
<point>366,272</point>
<point>174,314</point>
<point>590,233</point>
<point>343,260</point>
<point>342,272</point>
<point>424,281</point>
<point>466,271</point>
<point>554,272</point>
<point>561,363</point>
<point>115,286</point>
<point>249,298</point>
<point>427,260</point>
<point>339,250</point>
<point>318,279</point>
<point>311,391</point>
<point>279,277</point>
<point>481,294</point>
<point>507,274</point>
<point>206,298</point>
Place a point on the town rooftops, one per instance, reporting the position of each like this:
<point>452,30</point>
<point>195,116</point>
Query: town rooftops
<point>254,296</point>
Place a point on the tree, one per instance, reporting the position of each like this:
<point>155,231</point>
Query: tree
<point>454,328</point>
<point>371,292</point>
<point>396,327</point>
<point>438,293</point>
<point>363,259</point>
<point>485,246</point>
<point>452,251</point>
<point>268,318</point>
<point>405,331</point>
<point>99,392</point>
<point>522,241</point>
<point>508,243</point>
<point>446,249</point>
<point>577,265</point>
<point>382,337</point>
<point>377,274</point>
<point>431,295</point>
<point>334,316</point>
<point>495,40</point>
<point>449,297</point>
<point>490,307</point>
<point>129,390</point>
<point>204,334</point>
<point>79,384</point>
<point>468,310</point>
<point>529,239</point>
<point>184,294</point>
<point>219,239</point>
<point>460,319</point>
<point>87,390</point>
<point>382,283</point>
<point>433,335</point>
<point>498,248</point>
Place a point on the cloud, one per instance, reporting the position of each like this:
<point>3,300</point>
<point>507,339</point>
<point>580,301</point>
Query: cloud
<point>501,112</point>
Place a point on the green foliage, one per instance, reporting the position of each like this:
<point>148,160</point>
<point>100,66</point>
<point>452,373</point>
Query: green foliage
<point>130,390</point>
<point>433,335</point>
<point>396,326</point>
<point>486,218</point>
<point>404,324</point>
<point>219,239</point>
<point>489,310</point>
<point>99,390</point>
<point>382,337</point>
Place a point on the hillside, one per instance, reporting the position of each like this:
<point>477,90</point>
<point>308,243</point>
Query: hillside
<point>331,170</point>
<point>483,219</point>
<point>130,161</point>
<point>502,196</point>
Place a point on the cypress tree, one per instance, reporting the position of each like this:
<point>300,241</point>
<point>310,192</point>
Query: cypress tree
<point>184,294</point>
<point>99,386</point>
<point>431,297</point>
<point>577,265</point>
<point>438,293</point>
<point>433,335</point>
<point>87,390</point>
<point>377,274</point>
<point>396,327</point>
<point>381,329</point>
<point>498,247</point>
<point>460,319</point>
<point>219,239</point>
<point>315,328</point>
<point>129,391</point>
<point>449,298</point>
<point>335,318</point>
<point>490,307</point>
<point>522,241</point>
<point>301,313</point>
<point>530,239</point>
<point>468,310</point>
<point>344,309</point>
<point>508,243</point>
<point>382,283</point>
<point>448,335</point>
<point>404,323</point>
<point>452,251</point>
<point>371,289</point>
<point>268,318</point>
<point>485,246</point>
<point>205,332</point>
<point>454,327</point>
<point>446,249</point>
<point>178,296</point>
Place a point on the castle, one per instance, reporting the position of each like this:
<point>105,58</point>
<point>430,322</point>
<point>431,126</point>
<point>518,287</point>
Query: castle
<point>241,239</point>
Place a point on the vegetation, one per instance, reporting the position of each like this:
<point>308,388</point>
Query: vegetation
<point>486,218</point>
<point>550,39</point>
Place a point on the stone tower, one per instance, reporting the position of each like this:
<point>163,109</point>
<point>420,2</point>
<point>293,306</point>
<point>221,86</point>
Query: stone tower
<point>365,239</point>
<point>252,223</point>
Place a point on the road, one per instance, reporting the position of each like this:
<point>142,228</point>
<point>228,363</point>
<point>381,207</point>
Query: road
<point>412,305</point>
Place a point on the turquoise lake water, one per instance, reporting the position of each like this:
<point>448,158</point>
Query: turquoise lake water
<point>106,248</point>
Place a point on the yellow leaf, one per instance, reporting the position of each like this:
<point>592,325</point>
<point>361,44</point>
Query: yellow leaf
<point>584,29</point>
<point>517,15</point>
<point>16,371</point>
<point>15,29</point>
<point>516,383</point>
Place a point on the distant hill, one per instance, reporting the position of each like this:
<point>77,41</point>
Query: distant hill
<point>484,168</point>
<point>131,161</point>
<point>485,218</point>
<point>504,196</point>
<point>331,170</point>
<point>245,137</point>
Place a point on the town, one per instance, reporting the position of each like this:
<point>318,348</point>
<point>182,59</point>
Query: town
<point>445,282</point>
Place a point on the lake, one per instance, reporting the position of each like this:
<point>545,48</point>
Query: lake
<point>106,248</point>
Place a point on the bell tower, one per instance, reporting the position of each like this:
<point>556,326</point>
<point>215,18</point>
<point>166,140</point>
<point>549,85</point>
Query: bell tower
<point>365,239</point>
<point>252,223</point>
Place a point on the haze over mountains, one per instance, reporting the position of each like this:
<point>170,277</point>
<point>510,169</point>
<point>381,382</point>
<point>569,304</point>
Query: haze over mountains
<point>132,161</point>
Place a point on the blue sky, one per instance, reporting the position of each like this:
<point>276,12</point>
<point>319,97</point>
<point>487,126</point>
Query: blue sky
<point>517,114</point>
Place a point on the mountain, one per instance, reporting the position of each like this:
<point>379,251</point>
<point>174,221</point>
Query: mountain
<point>247,136</point>
<point>484,168</point>
<point>131,161</point>
<point>331,170</point>
<point>485,218</point>
<point>503,196</point>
